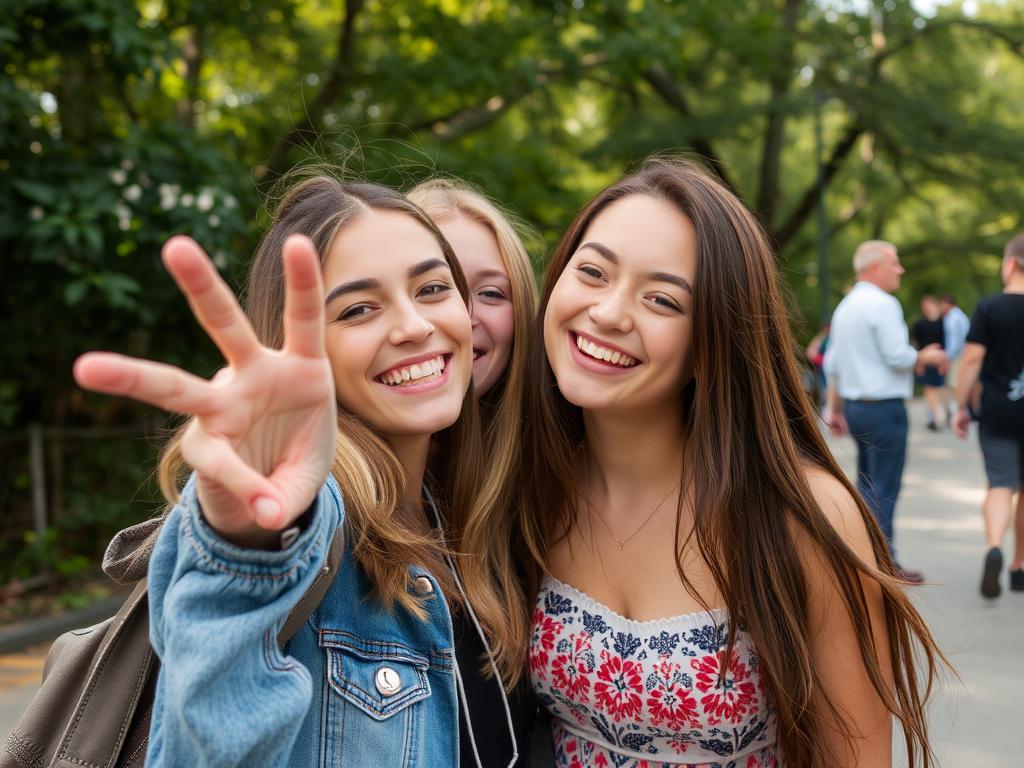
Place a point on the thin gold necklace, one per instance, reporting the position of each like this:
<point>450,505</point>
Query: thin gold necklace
<point>623,542</point>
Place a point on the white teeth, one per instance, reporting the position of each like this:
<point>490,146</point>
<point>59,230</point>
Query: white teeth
<point>603,353</point>
<point>415,372</point>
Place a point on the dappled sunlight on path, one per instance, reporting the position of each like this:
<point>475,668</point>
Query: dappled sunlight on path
<point>975,721</point>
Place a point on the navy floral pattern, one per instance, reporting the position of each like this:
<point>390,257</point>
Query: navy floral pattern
<point>627,694</point>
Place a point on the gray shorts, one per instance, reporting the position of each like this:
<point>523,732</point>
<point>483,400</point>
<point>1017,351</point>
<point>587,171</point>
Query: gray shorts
<point>1004,458</point>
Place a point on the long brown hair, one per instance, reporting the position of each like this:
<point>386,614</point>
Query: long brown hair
<point>385,534</point>
<point>489,538</point>
<point>751,436</point>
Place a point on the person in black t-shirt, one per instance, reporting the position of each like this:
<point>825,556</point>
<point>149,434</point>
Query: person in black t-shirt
<point>995,351</point>
<point>926,330</point>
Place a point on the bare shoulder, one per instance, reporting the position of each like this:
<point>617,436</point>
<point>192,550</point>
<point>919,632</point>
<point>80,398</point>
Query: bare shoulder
<point>840,509</point>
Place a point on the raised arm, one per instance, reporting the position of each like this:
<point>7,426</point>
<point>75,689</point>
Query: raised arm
<point>221,581</point>
<point>262,437</point>
<point>893,340</point>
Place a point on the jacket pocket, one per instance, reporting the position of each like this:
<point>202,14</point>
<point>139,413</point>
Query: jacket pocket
<point>380,678</point>
<point>375,699</point>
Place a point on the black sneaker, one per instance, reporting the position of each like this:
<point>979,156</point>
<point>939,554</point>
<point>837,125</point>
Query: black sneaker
<point>990,576</point>
<point>1017,580</point>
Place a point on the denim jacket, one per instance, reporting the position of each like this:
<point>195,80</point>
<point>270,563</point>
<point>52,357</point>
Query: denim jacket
<point>359,684</point>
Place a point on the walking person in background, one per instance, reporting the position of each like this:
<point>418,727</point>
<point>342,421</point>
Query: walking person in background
<point>995,353</point>
<point>955,324</point>
<point>870,364</point>
<point>926,330</point>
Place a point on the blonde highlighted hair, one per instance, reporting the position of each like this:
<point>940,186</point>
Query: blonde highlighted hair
<point>489,538</point>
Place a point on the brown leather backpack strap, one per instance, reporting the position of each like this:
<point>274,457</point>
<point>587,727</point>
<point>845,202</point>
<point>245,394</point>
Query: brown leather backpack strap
<point>309,601</point>
<point>113,689</point>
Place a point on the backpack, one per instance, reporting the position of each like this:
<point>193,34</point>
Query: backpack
<point>94,705</point>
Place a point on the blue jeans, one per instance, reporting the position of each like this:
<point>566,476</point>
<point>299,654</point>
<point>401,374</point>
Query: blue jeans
<point>880,430</point>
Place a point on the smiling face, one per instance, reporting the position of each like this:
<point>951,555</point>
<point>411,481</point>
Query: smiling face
<point>491,308</point>
<point>398,334</point>
<point>618,324</point>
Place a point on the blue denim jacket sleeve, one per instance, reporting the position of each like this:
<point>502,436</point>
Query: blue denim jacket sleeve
<point>226,694</point>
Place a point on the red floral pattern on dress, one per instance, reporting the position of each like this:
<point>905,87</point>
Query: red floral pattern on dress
<point>545,629</point>
<point>735,697</point>
<point>571,668</point>
<point>637,694</point>
<point>668,700</point>
<point>618,687</point>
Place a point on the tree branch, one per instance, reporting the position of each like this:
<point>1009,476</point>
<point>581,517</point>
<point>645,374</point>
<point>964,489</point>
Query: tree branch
<point>663,85</point>
<point>1015,44</point>
<point>466,119</point>
<point>337,78</point>
<point>775,126</point>
<point>809,199</point>
<point>782,235</point>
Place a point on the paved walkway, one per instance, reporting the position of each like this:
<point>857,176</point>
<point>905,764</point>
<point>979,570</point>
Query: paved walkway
<point>19,677</point>
<point>975,721</point>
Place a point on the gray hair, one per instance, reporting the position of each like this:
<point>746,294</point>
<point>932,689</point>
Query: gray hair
<point>869,252</point>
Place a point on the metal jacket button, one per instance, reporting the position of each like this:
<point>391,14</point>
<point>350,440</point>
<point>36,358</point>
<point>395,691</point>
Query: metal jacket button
<point>388,681</point>
<point>424,585</point>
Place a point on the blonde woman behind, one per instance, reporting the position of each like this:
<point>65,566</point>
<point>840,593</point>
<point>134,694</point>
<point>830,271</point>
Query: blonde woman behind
<point>503,299</point>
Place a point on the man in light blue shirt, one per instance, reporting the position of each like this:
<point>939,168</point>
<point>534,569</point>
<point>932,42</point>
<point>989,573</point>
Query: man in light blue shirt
<point>870,368</point>
<point>955,324</point>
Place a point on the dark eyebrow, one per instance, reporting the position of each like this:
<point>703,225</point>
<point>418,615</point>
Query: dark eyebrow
<point>350,287</point>
<point>661,277</point>
<point>665,277</point>
<point>369,283</point>
<point>425,266</point>
<point>604,250</point>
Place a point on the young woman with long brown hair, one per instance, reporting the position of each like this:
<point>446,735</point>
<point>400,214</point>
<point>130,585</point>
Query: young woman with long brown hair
<point>351,364</point>
<point>714,592</point>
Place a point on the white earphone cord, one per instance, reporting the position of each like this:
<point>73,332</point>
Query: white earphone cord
<point>487,647</point>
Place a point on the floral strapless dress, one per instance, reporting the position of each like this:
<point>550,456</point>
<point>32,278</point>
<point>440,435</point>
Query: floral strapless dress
<point>630,694</point>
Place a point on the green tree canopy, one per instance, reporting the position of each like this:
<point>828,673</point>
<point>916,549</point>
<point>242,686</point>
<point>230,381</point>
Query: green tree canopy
<point>125,122</point>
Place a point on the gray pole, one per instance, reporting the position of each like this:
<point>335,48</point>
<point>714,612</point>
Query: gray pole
<point>825,309</point>
<point>35,450</point>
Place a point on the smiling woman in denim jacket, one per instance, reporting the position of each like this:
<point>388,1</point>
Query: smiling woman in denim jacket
<point>356,355</point>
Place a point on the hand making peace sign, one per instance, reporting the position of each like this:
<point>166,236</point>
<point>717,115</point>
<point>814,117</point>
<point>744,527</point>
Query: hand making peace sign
<point>262,436</point>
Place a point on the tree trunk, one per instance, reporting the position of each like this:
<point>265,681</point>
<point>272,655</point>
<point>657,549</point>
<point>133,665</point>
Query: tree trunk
<point>775,126</point>
<point>192,53</point>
